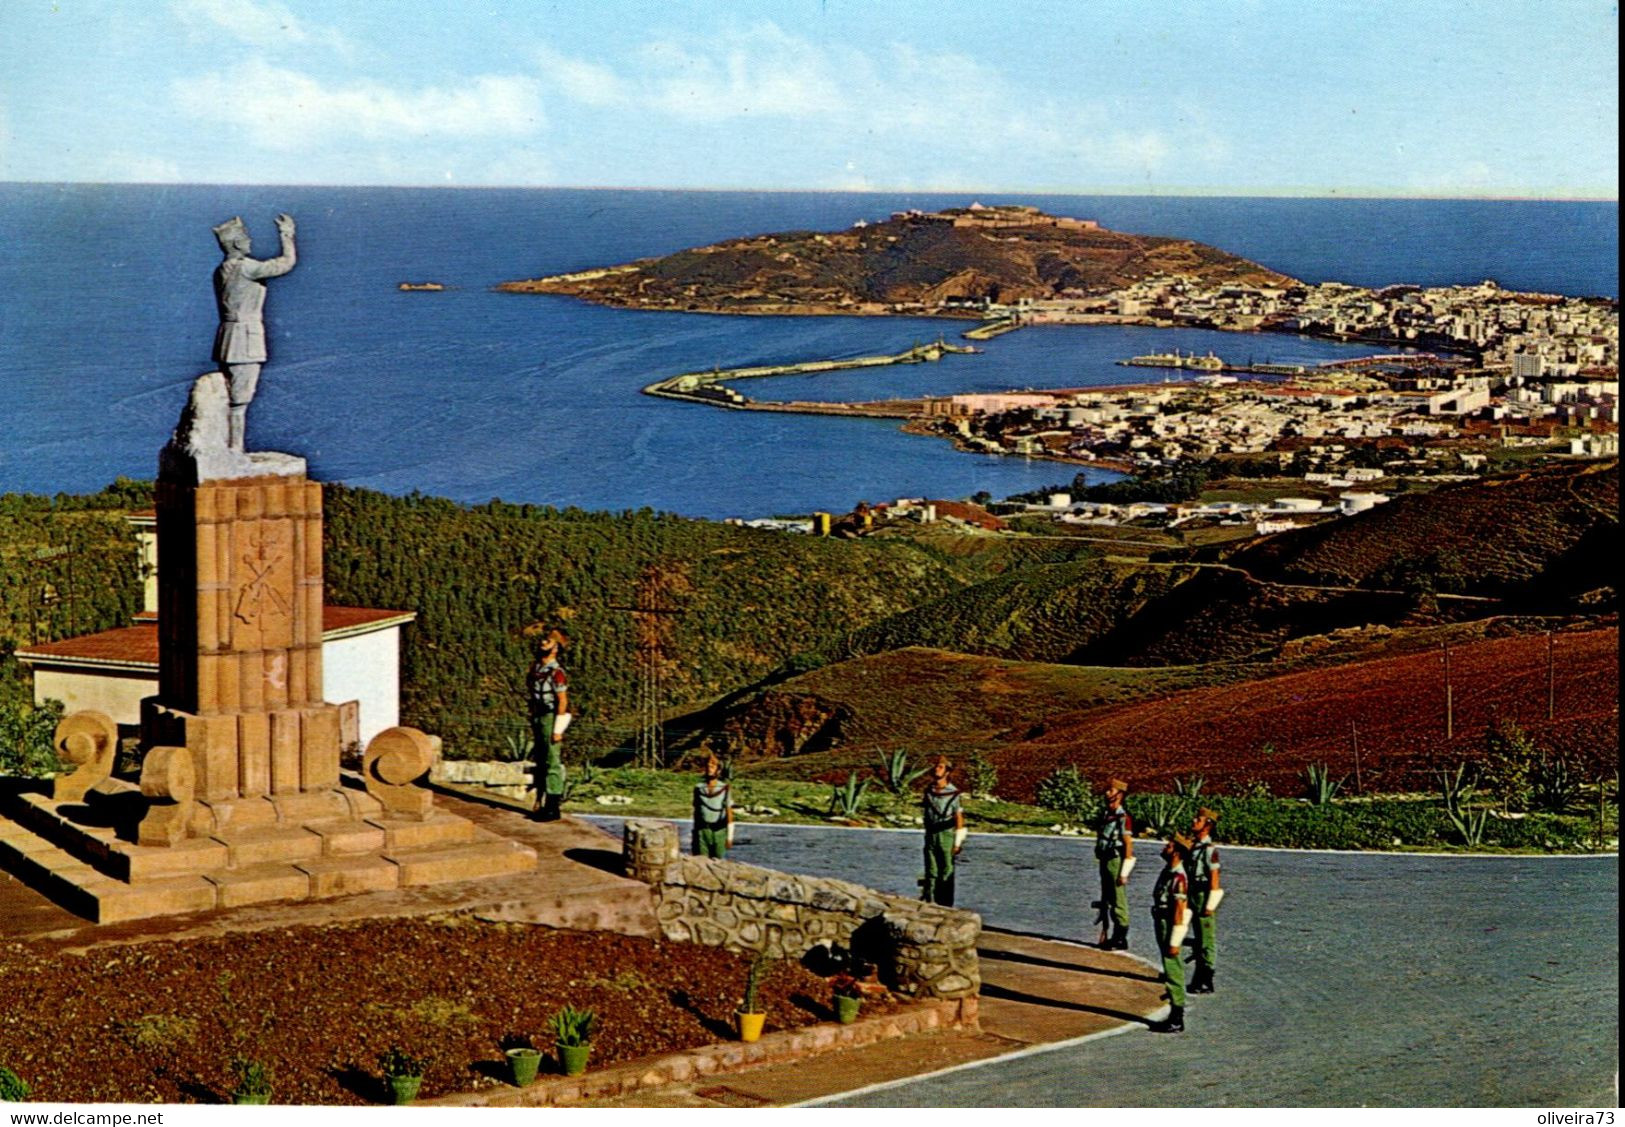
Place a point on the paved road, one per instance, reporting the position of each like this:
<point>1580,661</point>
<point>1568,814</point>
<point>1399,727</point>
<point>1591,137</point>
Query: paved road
<point>1344,979</point>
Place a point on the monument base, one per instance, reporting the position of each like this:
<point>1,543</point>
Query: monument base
<point>308,846</point>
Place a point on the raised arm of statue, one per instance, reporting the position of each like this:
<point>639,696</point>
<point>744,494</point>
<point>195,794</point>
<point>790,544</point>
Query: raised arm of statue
<point>282,263</point>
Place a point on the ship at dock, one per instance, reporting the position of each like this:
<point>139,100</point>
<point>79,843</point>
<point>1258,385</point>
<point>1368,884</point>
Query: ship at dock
<point>1177,359</point>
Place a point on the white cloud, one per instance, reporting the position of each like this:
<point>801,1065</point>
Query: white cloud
<point>268,24</point>
<point>285,109</point>
<point>903,97</point>
<point>581,81</point>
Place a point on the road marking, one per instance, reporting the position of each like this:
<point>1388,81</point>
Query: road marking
<point>1030,1051</point>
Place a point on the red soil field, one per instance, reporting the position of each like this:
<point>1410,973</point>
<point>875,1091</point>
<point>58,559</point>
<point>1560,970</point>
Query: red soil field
<point>1269,730</point>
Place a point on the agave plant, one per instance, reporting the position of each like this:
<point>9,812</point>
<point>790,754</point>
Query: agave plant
<point>894,771</point>
<point>1321,786</point>
<point>846,800</point>
<point>570,1026</point>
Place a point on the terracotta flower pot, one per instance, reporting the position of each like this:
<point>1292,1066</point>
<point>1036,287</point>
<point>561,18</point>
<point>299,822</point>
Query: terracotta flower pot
<point>750,1025</point>
<point>846,1008</point>
<point>573,1058</point>
<point>522,1065</point>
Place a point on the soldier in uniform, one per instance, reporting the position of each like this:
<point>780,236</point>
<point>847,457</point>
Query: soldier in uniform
<point>548,694</point>
<point>944,835</point>
<point>1204,880</point>
<point>713,813</point>
<point>239,293</point>
<point>1114,848</point>
<point>1168,912</point>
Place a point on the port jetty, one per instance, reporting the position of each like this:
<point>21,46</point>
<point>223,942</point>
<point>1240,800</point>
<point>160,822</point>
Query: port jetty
<point>711,387</point>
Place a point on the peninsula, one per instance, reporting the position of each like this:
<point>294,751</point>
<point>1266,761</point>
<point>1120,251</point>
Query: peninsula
<point>957,262</point>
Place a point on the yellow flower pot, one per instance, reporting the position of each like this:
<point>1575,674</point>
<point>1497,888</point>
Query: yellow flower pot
<point>750,1025</point>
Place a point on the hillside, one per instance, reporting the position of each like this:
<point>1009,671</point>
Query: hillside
<point>1043,612</point>
<point>1268,730</point>
<point>1543,537</point>
<point>1235,724</point>
<point>745,601</point>
<point>909,260</point>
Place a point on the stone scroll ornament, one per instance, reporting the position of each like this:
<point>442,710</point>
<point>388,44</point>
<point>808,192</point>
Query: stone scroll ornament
<point>89,741</point>
<point>169,779</point>
<point>394,761</point>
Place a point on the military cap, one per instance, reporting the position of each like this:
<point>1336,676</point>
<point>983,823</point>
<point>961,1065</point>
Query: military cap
<point>232,228</point>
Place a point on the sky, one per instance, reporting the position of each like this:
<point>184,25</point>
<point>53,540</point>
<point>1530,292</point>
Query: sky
<point>1459,98</point>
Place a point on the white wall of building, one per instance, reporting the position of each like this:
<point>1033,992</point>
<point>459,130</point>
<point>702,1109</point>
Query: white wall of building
<point>365,668</point>
<point>117,694</point>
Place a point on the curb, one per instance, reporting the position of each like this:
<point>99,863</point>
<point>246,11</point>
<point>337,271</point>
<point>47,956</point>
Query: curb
<point>720,1058</point>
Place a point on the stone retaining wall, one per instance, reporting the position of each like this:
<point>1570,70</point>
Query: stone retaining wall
<point>922,949</point>
<point>626,1080</point>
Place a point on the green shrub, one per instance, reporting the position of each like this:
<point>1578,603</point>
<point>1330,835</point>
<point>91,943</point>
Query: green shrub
<point>1066,791</point>
<point>27,738</point>
<point>13,1088</point>
<point>981,775</point>
<point>1509,757</point>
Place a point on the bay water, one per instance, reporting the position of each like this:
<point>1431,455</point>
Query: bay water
<point>107,315</point>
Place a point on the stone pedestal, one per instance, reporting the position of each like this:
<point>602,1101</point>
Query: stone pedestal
<point>240,799</point>
<point>240,637</point>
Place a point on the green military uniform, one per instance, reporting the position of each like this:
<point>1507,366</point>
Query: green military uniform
<point>711,808</point>
<point>1203,865</point>
<point>940,806</point>
<point>545,682</point>
<point>1170,891</point>
<point>1111,847</point>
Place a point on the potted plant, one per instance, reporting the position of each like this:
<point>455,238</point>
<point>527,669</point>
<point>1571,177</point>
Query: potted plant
<point>523,1059</point>
<point>253,1082</point>
<point>848,998</point>
<point>572,1031</point>
<point>403,1072</point>
<point>750,1016</point>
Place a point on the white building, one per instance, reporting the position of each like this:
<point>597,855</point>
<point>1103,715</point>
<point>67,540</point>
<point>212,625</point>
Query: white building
<point>113,670</point>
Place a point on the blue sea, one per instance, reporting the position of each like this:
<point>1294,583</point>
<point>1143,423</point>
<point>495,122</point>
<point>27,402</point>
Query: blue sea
<point>106,316</point>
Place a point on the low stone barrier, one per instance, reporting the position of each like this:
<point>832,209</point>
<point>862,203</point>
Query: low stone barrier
<point>625,1080</point>
<point>922,950</point>
<point>511,779</point>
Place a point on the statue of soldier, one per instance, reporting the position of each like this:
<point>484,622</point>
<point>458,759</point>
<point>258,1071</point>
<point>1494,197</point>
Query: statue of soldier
<point>239,291</point>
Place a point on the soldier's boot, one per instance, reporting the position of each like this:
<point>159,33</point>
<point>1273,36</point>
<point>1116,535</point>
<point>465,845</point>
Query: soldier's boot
<point>550,808</point>
<point>1173,1023</point>
<point>1119,939</point>
<point>237,428</point>
<point>1202,983</point>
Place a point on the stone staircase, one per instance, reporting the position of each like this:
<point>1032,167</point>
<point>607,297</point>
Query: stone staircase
<point>307,846</point>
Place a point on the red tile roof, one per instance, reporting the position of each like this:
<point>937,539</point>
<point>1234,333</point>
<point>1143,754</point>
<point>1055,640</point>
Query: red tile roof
<point>138,644</point>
